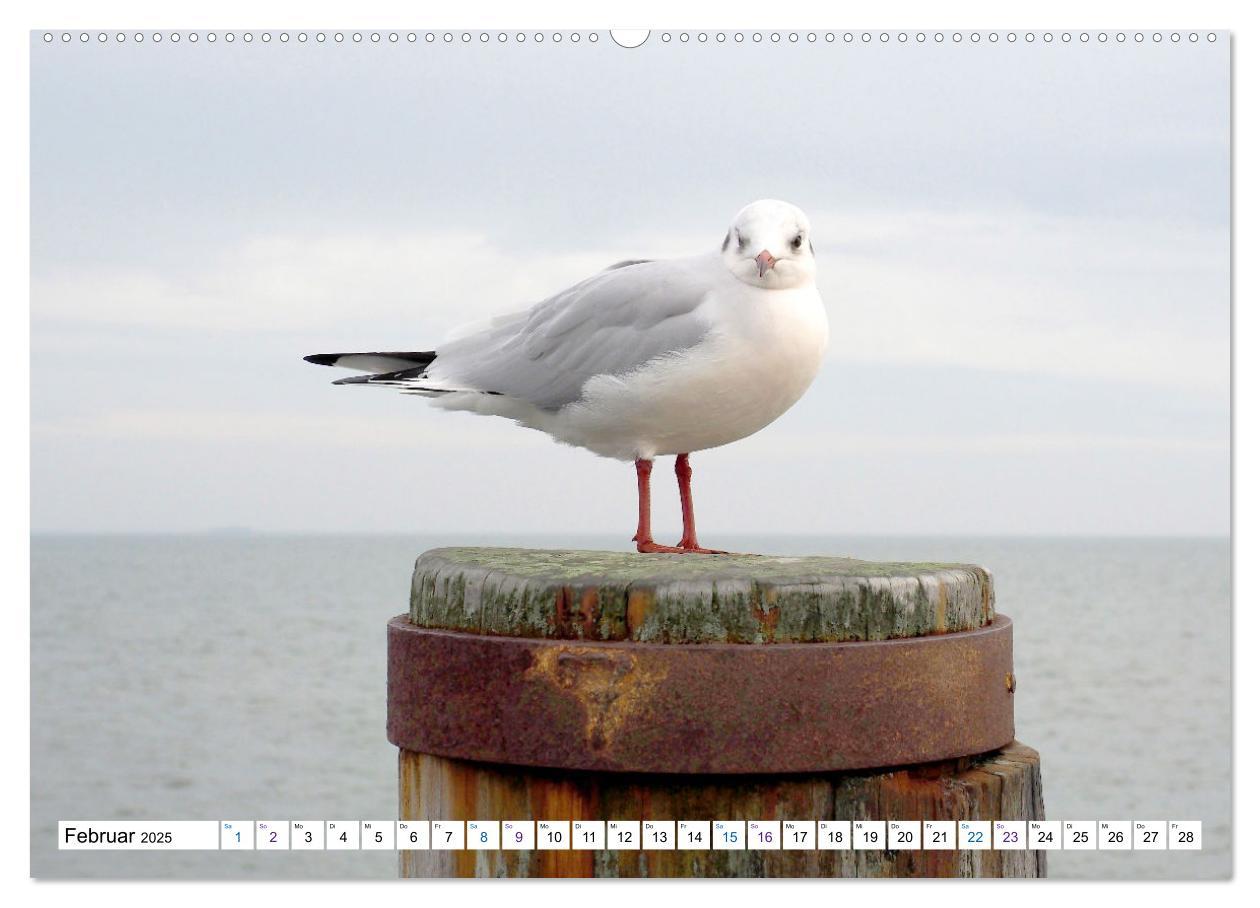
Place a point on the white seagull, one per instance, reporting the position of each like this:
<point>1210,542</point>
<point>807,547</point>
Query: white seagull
<point>645,359</point>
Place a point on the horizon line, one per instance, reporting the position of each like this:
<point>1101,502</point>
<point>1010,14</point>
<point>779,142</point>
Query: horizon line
<point>244,532</point>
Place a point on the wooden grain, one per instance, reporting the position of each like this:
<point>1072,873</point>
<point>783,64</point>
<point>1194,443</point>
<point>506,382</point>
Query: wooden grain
<point>588,595</point>
<point>1002,785</point>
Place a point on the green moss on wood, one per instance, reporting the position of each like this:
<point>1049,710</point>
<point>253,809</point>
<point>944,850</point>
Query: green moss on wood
<point>693,599</point>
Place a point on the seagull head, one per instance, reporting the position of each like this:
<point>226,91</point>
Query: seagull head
<point>769,245</point>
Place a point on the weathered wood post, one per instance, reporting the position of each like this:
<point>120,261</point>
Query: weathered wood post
<point>551,685</point>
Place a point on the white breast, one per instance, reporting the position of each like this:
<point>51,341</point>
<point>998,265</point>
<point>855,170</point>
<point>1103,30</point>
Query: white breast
<point>764,351</point>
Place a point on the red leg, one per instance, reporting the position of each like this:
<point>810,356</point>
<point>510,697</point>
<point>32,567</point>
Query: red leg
<point>643,536</point>
<point>689,543</point>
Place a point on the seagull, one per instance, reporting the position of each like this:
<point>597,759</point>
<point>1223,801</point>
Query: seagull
<point>648,358</point>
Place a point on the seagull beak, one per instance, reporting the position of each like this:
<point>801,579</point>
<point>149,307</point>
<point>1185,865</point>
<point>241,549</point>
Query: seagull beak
<point>765,261</point>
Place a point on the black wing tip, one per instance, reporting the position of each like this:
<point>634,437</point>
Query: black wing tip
<point>419,357</point>
<point>383,377</point>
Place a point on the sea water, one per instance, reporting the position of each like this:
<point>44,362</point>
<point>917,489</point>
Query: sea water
<point>242,677</point>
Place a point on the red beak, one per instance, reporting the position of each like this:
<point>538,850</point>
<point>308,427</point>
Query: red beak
<point>765,261</point>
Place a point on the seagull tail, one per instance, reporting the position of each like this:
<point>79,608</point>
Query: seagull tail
<point>407,372</point>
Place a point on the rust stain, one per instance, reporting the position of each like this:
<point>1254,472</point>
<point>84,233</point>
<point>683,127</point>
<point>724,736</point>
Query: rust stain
<point>589,609</point>
<point>593,705</point>
<point>560,613</point>
<point>1010,681</point>
<point>565,864</point>
<point>610,685</point>
<point>990,787</point>
<point>640,605</point>
<point>459,798</point>
<point>766,613</point>
<point>563,801</point>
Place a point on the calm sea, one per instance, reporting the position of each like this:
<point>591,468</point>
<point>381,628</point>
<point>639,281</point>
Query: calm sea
<point>242,677</point>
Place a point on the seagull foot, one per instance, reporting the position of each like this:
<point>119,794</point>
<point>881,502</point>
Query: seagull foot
<point>693,549</point>
<point>650,547</point>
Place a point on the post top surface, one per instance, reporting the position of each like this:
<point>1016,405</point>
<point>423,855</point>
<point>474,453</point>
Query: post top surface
<point>566,565</point>
<point>576,594</point>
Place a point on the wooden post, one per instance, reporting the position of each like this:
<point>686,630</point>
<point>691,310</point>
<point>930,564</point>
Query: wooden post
<point>595,685</point>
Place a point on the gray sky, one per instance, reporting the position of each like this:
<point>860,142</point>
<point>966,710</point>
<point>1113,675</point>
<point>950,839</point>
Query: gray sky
<point>1024,251</point>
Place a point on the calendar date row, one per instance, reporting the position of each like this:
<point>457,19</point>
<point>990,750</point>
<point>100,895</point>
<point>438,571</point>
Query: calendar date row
<point>634,835</point>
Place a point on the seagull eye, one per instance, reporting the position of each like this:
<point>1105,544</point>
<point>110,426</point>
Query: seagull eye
<point>796,242</point>
<point>739,241</point>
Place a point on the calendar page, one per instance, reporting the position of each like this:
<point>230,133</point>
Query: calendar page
<point>579,451</point>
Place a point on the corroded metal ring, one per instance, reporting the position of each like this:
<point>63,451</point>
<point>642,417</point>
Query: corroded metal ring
<point>700,708</point>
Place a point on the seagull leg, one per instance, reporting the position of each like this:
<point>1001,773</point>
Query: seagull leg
<point>643,536</point>
<point>689,543</point>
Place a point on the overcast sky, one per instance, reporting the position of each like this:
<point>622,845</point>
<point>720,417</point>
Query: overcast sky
<point>1024,251</point>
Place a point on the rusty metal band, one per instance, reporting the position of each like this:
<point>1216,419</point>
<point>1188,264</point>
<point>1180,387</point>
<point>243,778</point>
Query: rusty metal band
<point>700,708</point>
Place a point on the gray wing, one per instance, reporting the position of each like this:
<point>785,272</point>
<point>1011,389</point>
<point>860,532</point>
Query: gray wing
<point>609,324</point>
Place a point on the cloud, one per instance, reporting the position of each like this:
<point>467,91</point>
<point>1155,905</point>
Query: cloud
<point>294,282</point>
<point>1009,291</point>
<point>1133,300</point>
<point>983,444</point>
<point>438,431</point>
<point>236,427</point>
